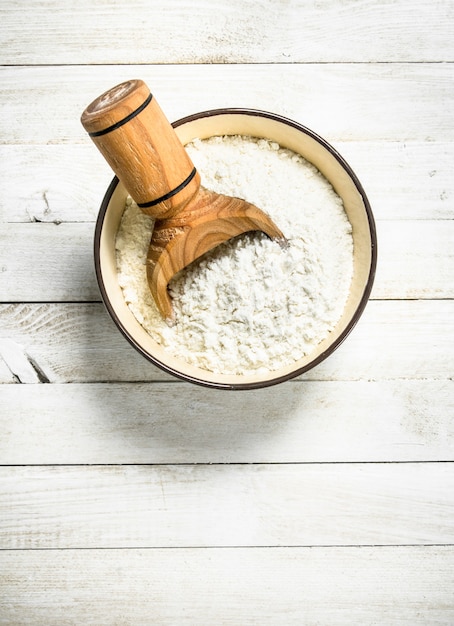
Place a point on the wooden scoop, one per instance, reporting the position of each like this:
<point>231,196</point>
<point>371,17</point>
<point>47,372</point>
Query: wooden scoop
<point>132,133</point>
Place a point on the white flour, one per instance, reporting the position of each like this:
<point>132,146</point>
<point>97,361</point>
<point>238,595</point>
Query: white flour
<point>250,305</point>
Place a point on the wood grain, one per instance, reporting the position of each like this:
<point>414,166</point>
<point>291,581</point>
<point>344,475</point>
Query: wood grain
<point>54,192</point>
<point>403,180</point>
<point>79,343</point>
<point>54,262</point>
<point>358,452</point>
<point>423,251</point>
<point>256,505</point>
<point>339,586</point>
<point>306,421</point>
<point>135,137</point>
<point>216,32</point>
<point>342,102</point>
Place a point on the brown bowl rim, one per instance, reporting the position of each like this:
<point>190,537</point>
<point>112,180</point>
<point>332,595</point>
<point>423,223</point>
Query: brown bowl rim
<point>280,378</point>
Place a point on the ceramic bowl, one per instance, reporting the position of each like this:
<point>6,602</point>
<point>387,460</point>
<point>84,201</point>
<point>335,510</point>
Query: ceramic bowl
<point>314,149</point>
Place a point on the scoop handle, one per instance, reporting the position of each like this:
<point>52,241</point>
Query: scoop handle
<point>132,133</point>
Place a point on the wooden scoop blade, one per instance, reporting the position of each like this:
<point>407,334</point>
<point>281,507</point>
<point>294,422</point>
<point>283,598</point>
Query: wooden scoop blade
<point>176,242</point>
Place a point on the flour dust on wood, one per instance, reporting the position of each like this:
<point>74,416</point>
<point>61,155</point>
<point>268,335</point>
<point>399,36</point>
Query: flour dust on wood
<point>250,305</point>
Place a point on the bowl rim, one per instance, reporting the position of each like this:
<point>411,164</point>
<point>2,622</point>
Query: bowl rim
<point>268,382</point>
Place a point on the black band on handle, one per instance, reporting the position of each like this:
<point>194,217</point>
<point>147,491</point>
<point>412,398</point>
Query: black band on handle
<point>98,133</point>
<point>167,196</point>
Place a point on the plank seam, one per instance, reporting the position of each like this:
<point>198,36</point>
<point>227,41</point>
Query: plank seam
<point>239,62</point>
<point>238,547</point>
<point>226,463</point>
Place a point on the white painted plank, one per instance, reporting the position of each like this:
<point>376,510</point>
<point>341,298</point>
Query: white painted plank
<point>341,102</point>
<point>403,180</point>
<point>156,423</point>
<point>226,505</point>
<point>67,185</point>
<point>415,259</point>
<point>79,343</point>
<point>51,262</point>
<point>218,32</point>
<point>335,586</point>
<point>74,343</point>
<point>338,586</point>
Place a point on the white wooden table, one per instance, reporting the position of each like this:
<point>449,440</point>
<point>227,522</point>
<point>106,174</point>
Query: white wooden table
<point>129,498</point>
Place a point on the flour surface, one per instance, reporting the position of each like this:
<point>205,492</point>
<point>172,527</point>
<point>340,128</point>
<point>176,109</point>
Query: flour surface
<point>250,305</point>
